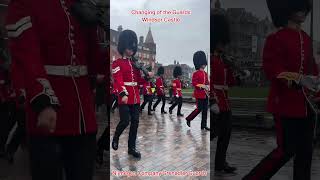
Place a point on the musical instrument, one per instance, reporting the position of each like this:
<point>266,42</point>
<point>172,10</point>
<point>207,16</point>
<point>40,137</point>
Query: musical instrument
<point>231,62</point>
<point>140,67</point>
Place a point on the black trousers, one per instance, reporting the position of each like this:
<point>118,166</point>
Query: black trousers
<point>73,155</point>
<point>104,140</point>
<point>114,104</point>
<point>177,101</point>
<point>295,140</point>
<point>19,135</point>
<point>223,126</point>
<point>147,99</point>
<point>160,98</point>
<point>7,121</point>
<point>202,106</point>
<point>128,113</point>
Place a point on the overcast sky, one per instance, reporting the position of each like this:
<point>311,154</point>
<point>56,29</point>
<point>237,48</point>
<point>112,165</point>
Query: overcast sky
<point>175,41</point>
<point>260,9</point>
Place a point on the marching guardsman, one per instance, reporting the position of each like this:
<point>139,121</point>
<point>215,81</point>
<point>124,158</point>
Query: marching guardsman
<point>287,62</point>
<point>177,90</point>
<point>160,85</point>
<point>57,54</point>
<point>127,79</point>
<point>147,95</point>
<point>200,82</point>
<point>222,77</point>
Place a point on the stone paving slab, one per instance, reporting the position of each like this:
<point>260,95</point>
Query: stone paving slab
<point>166,144</point>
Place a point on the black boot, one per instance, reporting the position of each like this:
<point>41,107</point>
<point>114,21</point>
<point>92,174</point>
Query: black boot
<point>170,111</point>
<point>99,158</point>
<point>149,113</point>
<point>226,169</point>
<point>188,123</point>
<point>179,114</point>
<point>163,112</point>
<point>115,142</point>
<point>134,153</point>
<point>206,128</point>
<point>9,157</point>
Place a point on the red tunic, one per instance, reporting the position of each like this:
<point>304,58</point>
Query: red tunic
<point>199,77</point>
<point>43,33</point>
<point>160,86</point>
<point>177,87</point>
<point>221,79</point>
<point>282,52</point>
<point>147,88</point>
<point>127,80</point>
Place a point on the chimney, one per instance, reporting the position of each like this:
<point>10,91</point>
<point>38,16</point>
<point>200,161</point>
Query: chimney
<point>120,28</point>
<point>141,40</point>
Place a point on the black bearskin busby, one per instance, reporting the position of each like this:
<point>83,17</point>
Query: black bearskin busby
<point>160,71</point>
<point>282,10</point>
<point>220,31</point>
<point>177,71</point>
<point>199,59</point>
<point>127,40</point>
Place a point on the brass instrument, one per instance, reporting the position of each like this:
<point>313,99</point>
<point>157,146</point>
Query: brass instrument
<point>231,62</point>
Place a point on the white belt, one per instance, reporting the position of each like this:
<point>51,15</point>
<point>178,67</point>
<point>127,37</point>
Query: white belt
<point>130,83</point>
<point>69,71</point>
<point>220,87</point>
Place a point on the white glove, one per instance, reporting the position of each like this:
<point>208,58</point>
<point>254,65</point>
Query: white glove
<point>177,95</point>
<point>310,82</point>
<point>206,87</point>
<point>215,108</point>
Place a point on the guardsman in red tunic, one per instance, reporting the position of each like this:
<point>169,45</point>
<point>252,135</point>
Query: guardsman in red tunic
<point>200,82</point>
<point>58,55</point>
<point>160,85</point>
<point>147,96</point>
<point>221,78</point>
<point>288,55</point>
<point>127,80</point>
<point>177,90</point>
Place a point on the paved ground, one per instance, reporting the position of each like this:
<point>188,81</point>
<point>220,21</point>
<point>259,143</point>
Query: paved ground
<point>166,143</point>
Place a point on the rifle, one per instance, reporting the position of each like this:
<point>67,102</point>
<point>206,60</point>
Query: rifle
<point>91,13</point>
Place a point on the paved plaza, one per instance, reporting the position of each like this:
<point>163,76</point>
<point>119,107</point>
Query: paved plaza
<point>168,144</point>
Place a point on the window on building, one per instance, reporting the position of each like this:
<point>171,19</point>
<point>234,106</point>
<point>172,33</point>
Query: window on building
<point>114,39</point>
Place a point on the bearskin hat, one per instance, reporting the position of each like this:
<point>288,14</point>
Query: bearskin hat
<point>220,31</point>
<point>127,40</point>
<point>160,71</point>
<point>199,59</point>
<point>281,10</point>
<point>177,71</point>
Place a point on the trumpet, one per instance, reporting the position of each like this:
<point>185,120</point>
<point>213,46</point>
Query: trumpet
<point>231,62</point>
